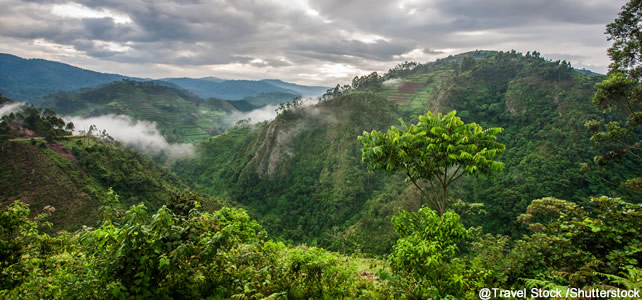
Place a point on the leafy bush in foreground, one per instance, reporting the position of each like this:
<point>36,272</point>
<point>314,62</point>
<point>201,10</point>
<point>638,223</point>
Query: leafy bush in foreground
<point>186,253</point>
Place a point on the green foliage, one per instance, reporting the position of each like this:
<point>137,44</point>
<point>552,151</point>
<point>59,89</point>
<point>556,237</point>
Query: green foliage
<point>572,244</point>
<point>32,121</point>
<point>305,166</point>
<point>180,115</point>
<point>166,255</point>
<point>22,246</point>
<point>135,177</point>
<point>299,187</point>
<point>630,279</point>
<point>439,149</point>
<point>425,258</point>
<point>620,94</point>
<point>73,173</point>
<point>271,98</point>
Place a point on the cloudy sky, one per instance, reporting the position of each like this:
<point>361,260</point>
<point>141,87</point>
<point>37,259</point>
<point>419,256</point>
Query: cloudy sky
<point>303,41</point>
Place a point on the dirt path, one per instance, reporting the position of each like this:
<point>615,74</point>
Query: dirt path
<point>60,149</point>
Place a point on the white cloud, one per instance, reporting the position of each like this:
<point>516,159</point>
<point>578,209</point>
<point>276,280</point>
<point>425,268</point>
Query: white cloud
<point>79,11</point>
<point>317,42</point>
<point>9,108</point>
<point>141,135</point>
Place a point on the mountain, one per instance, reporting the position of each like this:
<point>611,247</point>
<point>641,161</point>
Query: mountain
<point>212,79</point>
<point>301,174</point>
<point>239,89</point>
<point>227,89</point>
<point>243,105</point>
<point>204,88</point>
<point>31,79</point>
<point>271,98</point>
<point>180,115</point>
<point>312,91</point>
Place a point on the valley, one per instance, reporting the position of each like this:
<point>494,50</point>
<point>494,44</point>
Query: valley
<point>437,179</point>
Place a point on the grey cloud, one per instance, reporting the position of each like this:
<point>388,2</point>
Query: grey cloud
<point>432,51</point>
<point>494,13</point>
<point>189,34</point>
<point>379,50</point>
<point>105,29</point>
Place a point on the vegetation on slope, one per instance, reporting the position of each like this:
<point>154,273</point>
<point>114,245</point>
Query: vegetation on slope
<point>181,252</point>
<point>242,89</point>
<point>301,174</point>
<point>71,174</point>
<point>178,252</point>
<point>180,115</point>
<point>272,98</point>
<point>569,247</point>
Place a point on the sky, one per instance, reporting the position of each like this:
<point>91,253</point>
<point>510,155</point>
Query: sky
<point>303,41</point>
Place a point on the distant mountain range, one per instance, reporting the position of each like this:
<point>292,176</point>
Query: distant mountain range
<point>211,87</point>
<point>30,80</point>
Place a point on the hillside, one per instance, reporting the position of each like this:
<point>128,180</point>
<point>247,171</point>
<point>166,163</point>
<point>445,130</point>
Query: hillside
<point>272,98</point>
<point>180,115</point>
<point>73,173</point>
<point>239,89</point>
<point>311,91</point>
<point>301,174</point>
<point>30,79</point>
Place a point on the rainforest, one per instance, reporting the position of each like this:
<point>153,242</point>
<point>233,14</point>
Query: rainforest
<point>496,171</point>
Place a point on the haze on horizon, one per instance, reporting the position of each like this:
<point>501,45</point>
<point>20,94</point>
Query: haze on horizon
<point>306,42</point>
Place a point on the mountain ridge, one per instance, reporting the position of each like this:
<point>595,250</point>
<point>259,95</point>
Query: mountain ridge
<point>31,79</point>
<point>305,181</point>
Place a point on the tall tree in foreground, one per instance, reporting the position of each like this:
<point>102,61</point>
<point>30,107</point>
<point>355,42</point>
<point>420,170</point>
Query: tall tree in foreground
<point>438,150</point>
<point>621,93</point>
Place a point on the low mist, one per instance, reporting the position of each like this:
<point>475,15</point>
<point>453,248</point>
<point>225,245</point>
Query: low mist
<point>391,81</point>
<point>9,108</point>
<point>267,113</point>
<point>141,135</point>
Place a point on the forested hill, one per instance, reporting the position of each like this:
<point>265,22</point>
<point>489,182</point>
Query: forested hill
<point>240,89</point>
<point>302,175</point>
<point>180,115</point>
<point>43,165</point>
<point>31,79</point>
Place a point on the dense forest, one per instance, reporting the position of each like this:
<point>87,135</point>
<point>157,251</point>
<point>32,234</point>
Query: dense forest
<point>431,181</point>
<point>302,174</point>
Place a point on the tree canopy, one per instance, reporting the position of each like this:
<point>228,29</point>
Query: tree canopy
<point>438,149</point>
<point>620,94</point>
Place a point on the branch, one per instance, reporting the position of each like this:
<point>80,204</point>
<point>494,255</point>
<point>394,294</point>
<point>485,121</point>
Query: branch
<point>421,190</point>
<point>454,177</point>
<point>457,177</point>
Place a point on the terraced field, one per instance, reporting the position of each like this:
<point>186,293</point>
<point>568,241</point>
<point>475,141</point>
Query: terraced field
<point>412,92</point>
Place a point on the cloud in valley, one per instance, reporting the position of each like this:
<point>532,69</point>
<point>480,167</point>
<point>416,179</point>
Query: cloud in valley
<point>267,112</point>
<point>9,108</point>
<point>304,41</point>
<point>141,135</point>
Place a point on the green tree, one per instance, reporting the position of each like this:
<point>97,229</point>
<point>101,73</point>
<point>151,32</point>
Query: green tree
<point>70,127</point>
<point>425,258</point>
<point>621,93</point>
<point>575,245</point>
<point>438,149</point>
